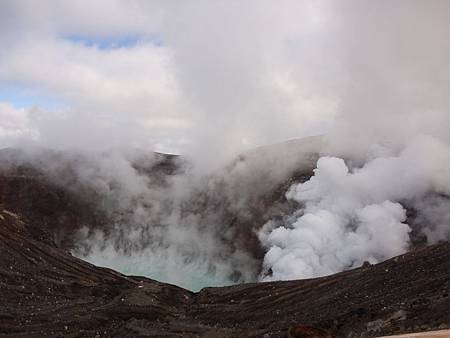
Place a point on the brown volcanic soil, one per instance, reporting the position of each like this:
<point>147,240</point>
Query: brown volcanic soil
<point>45,292</point>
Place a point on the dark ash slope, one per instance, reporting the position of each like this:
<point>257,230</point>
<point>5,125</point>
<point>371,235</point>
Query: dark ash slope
<point>45,292</point>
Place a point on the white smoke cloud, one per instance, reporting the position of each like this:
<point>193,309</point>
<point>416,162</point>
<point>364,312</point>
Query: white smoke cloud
<point>349,216</point>
<point>388,146</point>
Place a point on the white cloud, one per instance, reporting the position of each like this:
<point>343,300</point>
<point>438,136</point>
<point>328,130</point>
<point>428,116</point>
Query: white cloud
<point>223,73</point>
<point>15,125</point>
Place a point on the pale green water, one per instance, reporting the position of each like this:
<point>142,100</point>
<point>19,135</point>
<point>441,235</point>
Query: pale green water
<point>192,276</point>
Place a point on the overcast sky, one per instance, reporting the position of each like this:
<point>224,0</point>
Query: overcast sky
<point>199,76</point>
<point>170,74</point>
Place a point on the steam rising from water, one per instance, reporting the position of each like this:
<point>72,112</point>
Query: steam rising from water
<point>162,225</point>
<point>168,223</point>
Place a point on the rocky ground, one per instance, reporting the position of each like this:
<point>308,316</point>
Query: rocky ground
<point>45,292</point>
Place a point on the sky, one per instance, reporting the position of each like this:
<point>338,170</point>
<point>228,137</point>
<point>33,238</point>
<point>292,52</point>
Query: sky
<point>172,76</point>
<point>213,78</point>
